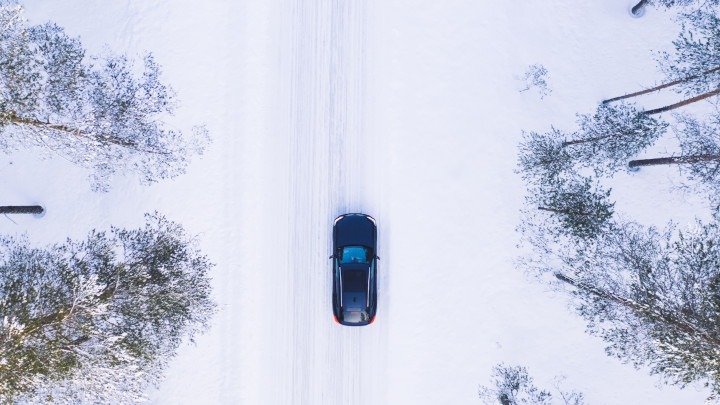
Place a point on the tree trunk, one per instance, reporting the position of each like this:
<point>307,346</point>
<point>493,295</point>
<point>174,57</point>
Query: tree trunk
<point>674,160</point>
<point>75,132</point>
<point>578,141</point>
<point>683,103</point>
<point>565,211</point>
<point>660,87</point>
<point>21,209</point>
<point>638,7</point>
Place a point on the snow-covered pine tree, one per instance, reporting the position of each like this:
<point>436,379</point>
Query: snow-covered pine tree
<point>543,156</point>
<point>691,4</point>
<point>513,385</point>
<point>100,317</point>
<point>96,112</point>
<point>605,141</point>
<point>699,156</point>
<point>550,164</point>
<point>612,135</point>
<point>659,87</point>
<point>693,69</point>
<point>652,296</point>
<point>536,76</point>
<point>696,55</point>
<point>574,206</point>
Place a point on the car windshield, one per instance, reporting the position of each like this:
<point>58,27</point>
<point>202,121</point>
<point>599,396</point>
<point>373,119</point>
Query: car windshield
<point>354,254</point>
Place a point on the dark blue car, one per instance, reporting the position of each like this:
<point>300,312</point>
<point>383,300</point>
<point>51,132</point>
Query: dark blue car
<point>354,269</point>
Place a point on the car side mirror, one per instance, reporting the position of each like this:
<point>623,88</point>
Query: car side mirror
<point>377,257</point>
<point>331,257</point>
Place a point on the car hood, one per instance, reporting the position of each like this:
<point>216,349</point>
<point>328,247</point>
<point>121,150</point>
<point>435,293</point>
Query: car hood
<point>354,230</point>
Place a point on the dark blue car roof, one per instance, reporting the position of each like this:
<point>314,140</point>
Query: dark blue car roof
<point>355,285</point>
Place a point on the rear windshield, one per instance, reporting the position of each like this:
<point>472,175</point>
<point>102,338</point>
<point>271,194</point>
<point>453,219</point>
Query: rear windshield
<point>355,316</point>
<point>354,254</point>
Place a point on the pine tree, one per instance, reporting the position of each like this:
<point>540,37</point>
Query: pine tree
<point>573,206</point>
<point>694,67</point>
<point>694,4</point>
<point>543,156</point>
<point>608,138</point>
<point>513,385</point>
<point>100,317</point>
<point>605,141</point>
<point>699,156</point>
<point>95,112</point>
<point>696,54</point>
<point>550,163</point>
<point>652,296</point>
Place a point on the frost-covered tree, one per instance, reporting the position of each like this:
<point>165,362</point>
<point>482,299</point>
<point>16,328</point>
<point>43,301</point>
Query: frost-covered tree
<point>694,4</point>
<point>543,156</point>
<point>559,199</point>
<point>694,67</point>
<point>103,113</point>
<point>653,296</point>
<point>536,76</point>
<point>699,156</point>
<point>695,62</point>
<point>99,318</point>
<point>660,86</point>
<point>569,205</point>
<point>512,385</point>
<point>612,134</point>
<point>604,142</point>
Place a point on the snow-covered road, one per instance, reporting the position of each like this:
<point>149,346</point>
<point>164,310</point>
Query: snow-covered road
<point>327,159</point>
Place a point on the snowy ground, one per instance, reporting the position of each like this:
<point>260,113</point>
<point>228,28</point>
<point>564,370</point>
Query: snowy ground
<point>406,110</point>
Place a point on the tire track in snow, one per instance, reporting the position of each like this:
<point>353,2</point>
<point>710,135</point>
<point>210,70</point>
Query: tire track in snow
<point>321,362</point>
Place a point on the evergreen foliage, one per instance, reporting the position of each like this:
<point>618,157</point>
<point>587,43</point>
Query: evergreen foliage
<point>93,111</point>
<point>696,57</point>
<point>652,295</point>
<point>536,76</point>
<point>701,138</point>
<point>612,135</point>
<point>604,143</point>
<point>551,164</point>
<point>694,4</point>
<point>512,385</point>
<point>543,156</point>
<point>699,156</point>
<point>99,318</point>
<point>573,206</point>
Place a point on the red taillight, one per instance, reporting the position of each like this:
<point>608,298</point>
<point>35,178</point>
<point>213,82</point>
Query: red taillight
<point>372,320</point>
<point>336,320</point>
